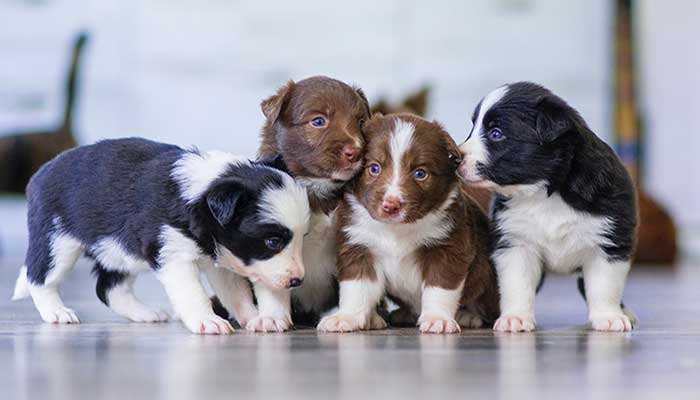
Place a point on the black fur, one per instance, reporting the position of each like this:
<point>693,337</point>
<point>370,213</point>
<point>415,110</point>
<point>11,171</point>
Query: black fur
<point>123,189</point>
<point>547,140</point>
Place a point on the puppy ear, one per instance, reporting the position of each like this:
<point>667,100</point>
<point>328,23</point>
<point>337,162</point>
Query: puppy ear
<point>554,118</point>
<point>273,105</point>
<point>454,155</point>
<point>364,100</point>
<point>222,200</point>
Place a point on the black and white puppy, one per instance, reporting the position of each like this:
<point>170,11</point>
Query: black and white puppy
<point>564,203</point>
<point>135,205</point>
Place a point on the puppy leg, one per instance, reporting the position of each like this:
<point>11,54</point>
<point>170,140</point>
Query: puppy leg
<point>63,252</point>
<point>604,282</point>
<point>519,272</point>
<point>358,307</point>
<point>234,293</point>
<point>274,310</point>
<point>439,306</point>
<point>115,290</point>
<point>189,299</point>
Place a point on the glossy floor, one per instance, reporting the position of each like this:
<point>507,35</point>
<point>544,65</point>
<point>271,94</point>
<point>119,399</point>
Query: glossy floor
<point>108,358</point>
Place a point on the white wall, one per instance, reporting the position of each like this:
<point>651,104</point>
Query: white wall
<point>189,71</point>
<point>670,77</point>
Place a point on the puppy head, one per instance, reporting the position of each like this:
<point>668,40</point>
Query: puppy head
<point>316,125</point>
<point>257,216</point>
<point>522,136</point>
<point>409,168</point>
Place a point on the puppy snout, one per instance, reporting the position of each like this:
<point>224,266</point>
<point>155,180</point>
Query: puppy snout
<point>391,205</point>
<point>295,282</point>
<point>351,153</point>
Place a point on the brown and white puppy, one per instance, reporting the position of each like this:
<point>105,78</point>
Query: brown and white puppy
<point>406,229</point>
<point>313,130</point>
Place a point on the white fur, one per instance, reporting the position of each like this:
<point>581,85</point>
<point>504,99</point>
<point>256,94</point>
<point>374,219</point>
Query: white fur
<point>112,256</point>
<point>441,302</point>
<point>319,253</point>
<point>194,172</point>
<point>544,231</point>
<point>474,148</point>
<point>123,302</point>
<point>274,310</point>
<point>401,140</point>
<point>21,285</point>
<point>287,205</point>
<point>321,187</point>
<point>357,307</point>
<point>393,246</point>
<point>234,293</point>
<point>179,274</point>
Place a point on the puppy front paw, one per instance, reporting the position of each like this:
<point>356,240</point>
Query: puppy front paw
<point>376,322</point>
<point>468,320</point>
<point>60,315</point>
<point>429,323</point>
<point>342,323</point>
<point>514,323</point>
<point>610,322</point>
<point>208,325</point>
<point>268,324</point>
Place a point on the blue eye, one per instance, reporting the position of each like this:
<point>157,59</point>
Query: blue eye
<point>496,135</point>
<point>375,169</point>
<point>420,174</point>
<point>318,122</point>
<point>274,243</point>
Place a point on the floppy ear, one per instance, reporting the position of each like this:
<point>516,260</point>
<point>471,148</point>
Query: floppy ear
<point>272,106</point>
<point>454,155</point>
<point>364,100</point>
<point>554,118</point>
<point>222,200</point>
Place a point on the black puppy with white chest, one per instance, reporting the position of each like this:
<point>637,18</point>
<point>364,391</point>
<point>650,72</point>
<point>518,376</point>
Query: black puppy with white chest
<point>135,205</point>
<point>564,203</point>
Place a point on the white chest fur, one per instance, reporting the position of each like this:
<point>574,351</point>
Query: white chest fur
<point>393,247</point>
<point>563,237</point>
<point>318,253</point>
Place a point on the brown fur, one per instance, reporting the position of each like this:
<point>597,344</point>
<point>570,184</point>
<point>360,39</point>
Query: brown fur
<point>21,155</point>
<point>464,254</point>
<point>308,151</point>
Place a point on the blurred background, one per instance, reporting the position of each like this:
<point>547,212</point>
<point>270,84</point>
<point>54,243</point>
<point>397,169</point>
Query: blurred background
<point>194,72</point>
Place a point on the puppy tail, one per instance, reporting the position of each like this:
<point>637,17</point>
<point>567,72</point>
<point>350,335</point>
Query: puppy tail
<point>22,285</point>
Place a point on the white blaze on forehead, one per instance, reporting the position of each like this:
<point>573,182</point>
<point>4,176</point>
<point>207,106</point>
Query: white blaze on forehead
<point>474,148</point>
<point>287,205</point>
<point>401,140</point>
<point>194,172</point>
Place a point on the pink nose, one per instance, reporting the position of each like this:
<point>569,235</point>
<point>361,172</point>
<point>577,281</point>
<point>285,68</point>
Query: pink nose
<point>391,205</point>
<point>351,153</point>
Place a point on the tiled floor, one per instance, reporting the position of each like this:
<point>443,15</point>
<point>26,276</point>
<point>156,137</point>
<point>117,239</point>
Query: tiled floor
<point>108,358</point>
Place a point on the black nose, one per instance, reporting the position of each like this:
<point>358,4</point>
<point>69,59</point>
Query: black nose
<point>294,282</point>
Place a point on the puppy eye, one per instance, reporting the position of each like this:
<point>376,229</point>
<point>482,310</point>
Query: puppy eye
<point>361,121</point>
<point>274,243</point>
<point>375,169</point>
<point>496,135</point>
<point>420,174</point>
<point>318,122</point>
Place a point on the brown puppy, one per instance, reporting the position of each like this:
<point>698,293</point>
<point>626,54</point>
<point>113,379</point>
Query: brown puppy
<point>408,230</point>
<point>313,129</point>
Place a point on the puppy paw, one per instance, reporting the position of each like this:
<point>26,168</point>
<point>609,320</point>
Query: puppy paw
<point>61,315</point>
<point>148,315</point>
<point>468,320</point>
<point>611,322</point>
<point>514,323</point>
<point>428,323</point>
<point>341,323</point>
<point>376,322</point>
<point>268,324</point>
<point>209,325</point>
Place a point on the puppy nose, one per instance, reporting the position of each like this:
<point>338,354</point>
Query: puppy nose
<point>351,153</point>
<point>295,282</point>
<point>391,205</point>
